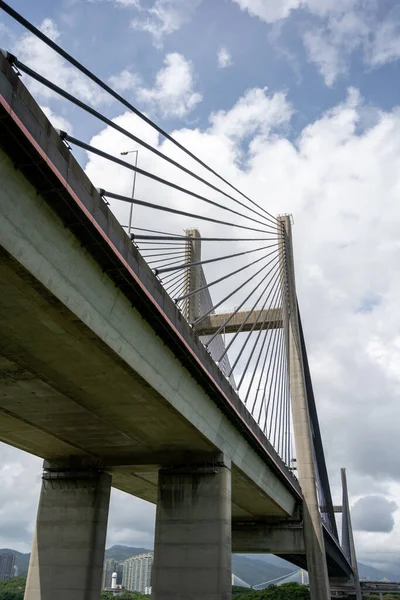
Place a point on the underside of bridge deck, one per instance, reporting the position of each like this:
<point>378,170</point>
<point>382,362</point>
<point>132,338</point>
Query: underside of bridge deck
<point>64,393</point>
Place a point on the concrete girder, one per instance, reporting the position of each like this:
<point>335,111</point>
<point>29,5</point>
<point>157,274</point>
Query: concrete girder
<point>266,538</point>
<point>266,319</point>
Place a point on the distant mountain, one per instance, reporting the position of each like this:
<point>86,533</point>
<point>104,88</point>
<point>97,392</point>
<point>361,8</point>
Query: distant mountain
<point>368,572</point>
<point>21,560</point>
<point>121,553</point>
<point>365,571</point>
<point>270,559</point>
<point>252,569</point>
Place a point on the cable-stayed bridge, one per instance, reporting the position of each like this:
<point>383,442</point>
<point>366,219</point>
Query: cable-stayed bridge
<point>339,591</point>
<point>146,355</point>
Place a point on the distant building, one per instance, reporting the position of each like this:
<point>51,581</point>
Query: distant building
<point>111,566</point>
<point>7,562</point>
<point>136,575</point>
<point>115,588</point>
<point>120,570</point>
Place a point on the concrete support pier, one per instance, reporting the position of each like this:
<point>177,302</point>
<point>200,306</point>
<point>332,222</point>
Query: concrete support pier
<point>192,552</point>
<point>68,547</point>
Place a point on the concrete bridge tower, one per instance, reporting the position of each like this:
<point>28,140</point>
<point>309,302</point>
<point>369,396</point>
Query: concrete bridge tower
<point>312,526</point>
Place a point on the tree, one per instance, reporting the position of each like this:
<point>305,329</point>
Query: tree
<point>287,591</point>
<point>13,589</point>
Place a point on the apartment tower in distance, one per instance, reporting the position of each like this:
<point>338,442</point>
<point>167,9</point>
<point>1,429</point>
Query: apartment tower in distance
<point>136,575</point>
<point>110,566</point>
<point>7,562</point>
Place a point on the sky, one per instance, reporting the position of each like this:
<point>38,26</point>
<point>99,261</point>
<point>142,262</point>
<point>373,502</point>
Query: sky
<point>297,103</point>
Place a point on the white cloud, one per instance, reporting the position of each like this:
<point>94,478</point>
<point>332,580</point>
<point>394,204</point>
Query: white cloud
<point>135,3</point>
<point>333,7</point>
<point>125,80</point>
<point>325,55</point>
<point>344,26</point>
<point>5,31</point>
<point>254,114</point>
<point>224,58</point>
<point>173,94</point>
<point>270,11</point>
<point>330,47</point>
<point>20,475</point>
<point>165,17</point>
<point>124,3</point>
<point>58,121</point>
<point>31,51</point>
<point>385,45</point>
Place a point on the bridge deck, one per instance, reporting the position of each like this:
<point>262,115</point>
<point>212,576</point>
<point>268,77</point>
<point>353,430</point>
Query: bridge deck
<point>83,371</point>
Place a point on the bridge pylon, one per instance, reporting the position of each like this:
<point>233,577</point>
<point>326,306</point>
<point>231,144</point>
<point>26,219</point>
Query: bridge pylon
<point>347,536</point>
<point>312,525</point>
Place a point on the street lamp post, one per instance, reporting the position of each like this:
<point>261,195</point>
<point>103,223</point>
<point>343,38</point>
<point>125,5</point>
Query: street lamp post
<point>136,152</point>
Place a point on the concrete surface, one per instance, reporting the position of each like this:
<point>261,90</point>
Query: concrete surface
<point>267,538</point>
<point>312,525</point>
<point>192,551</point>
<point>68,548</point>
<point>271,319</point>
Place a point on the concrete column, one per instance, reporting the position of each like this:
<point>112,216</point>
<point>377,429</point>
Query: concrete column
<point>192,552</point>
<point>312,525</point>
<point>68,547</point>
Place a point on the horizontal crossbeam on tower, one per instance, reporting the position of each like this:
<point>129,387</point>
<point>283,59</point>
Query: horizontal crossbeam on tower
<point>336,509</point>
<point>243,320</point>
